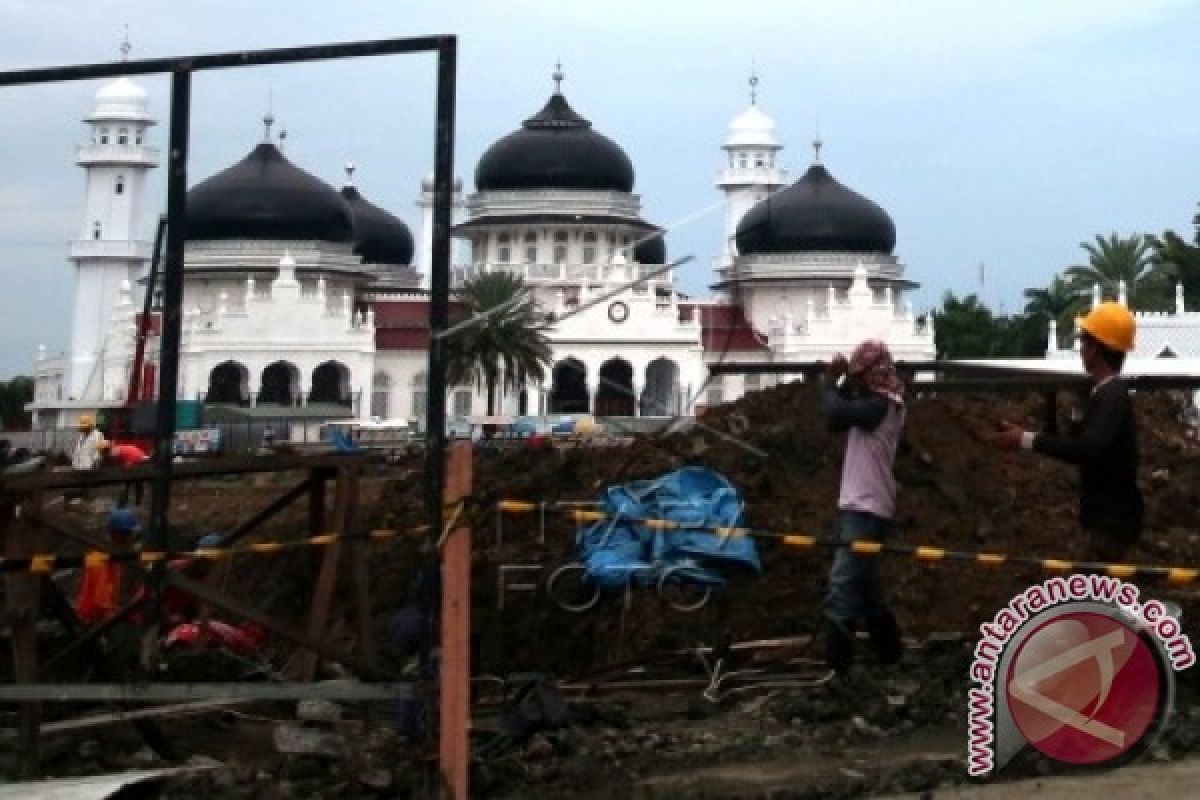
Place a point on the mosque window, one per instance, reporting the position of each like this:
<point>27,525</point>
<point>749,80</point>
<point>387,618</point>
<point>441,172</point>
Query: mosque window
<point>120,186</point>
<point>137,137</point>
<point>742,161</point>
<point>758,161</point>
<point>589,238</point>
<point>96,229</point>
<point>505,255</point>
<point>530,255</point>
<point>530,238</point>
<point>560,254</point>
<point>104,136</point>
<point>560,237</point>
<point>589,255</point>
<point>752,382</point>
<point>123,136</point>
<point>503,238</point>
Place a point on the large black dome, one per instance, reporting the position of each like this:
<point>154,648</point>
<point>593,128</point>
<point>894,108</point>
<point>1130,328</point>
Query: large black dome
<point>265,196</point>
<point>816,213</point>
<point>651,251</point>
<point>379,237</point>
<point>555,149</point>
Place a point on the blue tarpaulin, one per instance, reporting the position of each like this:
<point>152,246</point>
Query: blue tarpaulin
<point>619,550</point>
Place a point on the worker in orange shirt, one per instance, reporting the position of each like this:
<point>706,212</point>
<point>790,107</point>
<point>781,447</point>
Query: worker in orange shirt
<point>100,591</point>
<point>124,454</point>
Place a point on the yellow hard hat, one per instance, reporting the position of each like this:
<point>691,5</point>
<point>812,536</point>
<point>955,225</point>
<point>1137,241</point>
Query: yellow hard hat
<point>1111,324</point>
<point>86,421</point>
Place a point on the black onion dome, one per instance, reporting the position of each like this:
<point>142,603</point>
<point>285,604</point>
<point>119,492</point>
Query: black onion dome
<point>816,213</point>
<point>379,237</point>
<point>265,196</point>
<point>651,251</point>
<point>555,149</point>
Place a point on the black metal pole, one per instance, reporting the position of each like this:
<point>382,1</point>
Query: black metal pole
<point>168,358</point>
<point>439,299</point>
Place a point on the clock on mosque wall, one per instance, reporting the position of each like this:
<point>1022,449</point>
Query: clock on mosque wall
<point>618,312</point>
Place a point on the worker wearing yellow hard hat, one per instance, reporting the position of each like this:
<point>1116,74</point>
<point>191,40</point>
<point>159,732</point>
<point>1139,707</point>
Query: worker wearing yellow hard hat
<point>1104,442</point>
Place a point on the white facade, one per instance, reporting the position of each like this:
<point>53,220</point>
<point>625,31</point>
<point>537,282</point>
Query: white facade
<point>288,323</point>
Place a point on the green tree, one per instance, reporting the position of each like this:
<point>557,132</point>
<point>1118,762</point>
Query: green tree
<point>14,394</point>
<point>504,346</point>
<point>966,328</point>
<point>1058,301</point>
<point>1131,259</point>
<point>1183,259</point>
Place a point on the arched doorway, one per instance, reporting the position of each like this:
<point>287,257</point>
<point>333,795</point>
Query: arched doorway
<point>330,384</point>
<point>280,384</point>
<point>661,398</point>
<point>614,397</point>
<point>381,390</point>
<point>569,393</point>
<point>228,384</point>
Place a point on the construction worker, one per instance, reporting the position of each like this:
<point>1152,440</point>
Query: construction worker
<point>865,398</point>
<point>1104,443</point>
<point>100,590</point>
<point>126,455</point>
<point>86,452</point>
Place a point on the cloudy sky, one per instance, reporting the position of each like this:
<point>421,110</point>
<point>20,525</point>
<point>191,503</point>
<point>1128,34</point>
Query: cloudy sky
<point>1000,133</point>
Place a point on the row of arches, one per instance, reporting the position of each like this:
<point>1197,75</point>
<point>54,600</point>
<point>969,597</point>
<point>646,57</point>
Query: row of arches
<point>616,393</point>
<point>229,384</point>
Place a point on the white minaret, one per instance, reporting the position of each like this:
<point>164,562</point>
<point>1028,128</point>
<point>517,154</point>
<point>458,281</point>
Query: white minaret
<point>750,172</point>
<point>109,249</point>
<point>424,253</point>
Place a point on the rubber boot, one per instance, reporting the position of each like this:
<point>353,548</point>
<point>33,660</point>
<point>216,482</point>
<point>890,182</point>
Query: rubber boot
<point>839,647</point>
<point>885,638</point>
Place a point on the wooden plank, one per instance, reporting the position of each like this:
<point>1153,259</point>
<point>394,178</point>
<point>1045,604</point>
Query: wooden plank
<point>211,691</point>
<point>456,634</point>
<point>184,470</point>
<point>322,599</point>
<point>117,717</point>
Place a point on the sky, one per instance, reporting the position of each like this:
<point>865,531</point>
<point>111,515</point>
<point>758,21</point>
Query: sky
<point>994,133</point>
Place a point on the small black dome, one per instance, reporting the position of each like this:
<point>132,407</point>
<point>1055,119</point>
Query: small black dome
<point>555,149</point>
<point>265,196</point>
<point>651,251</point>
<point>379,237</point>
<point>816,213</point>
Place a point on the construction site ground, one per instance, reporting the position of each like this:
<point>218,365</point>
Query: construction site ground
<point>886,732</point>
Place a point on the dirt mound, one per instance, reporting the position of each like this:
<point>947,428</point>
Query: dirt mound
<point>955,492</point>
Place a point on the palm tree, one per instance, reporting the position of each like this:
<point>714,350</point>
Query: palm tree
<point>500,343</point>
<point>1115,259</point>
<point>1058,301</point>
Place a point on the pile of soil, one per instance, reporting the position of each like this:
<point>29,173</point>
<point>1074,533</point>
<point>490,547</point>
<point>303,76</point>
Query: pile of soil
<point>774,446</point>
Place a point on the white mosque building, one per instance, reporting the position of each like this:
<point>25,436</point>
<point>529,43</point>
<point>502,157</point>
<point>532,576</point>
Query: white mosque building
<point>300,298</point>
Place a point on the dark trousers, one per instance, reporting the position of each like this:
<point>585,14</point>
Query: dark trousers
<point>855,590</point>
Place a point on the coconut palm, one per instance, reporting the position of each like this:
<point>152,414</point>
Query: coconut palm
<point>1058,301</point>
<point>1129,259</point>
<point>500,344</point>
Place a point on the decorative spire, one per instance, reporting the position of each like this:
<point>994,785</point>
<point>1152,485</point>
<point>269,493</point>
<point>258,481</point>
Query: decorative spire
<point>269,118</point>
<point>349,173</point>
<point>125,45</point>
<point>753,84</point>
<point>282,137</point>
<point>817,144</point>
<point>557,76</point>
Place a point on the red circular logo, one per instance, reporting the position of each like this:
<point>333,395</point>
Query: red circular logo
<point>1083,688</point>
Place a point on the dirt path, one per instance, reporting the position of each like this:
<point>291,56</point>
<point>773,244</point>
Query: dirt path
<point>1172,781</point>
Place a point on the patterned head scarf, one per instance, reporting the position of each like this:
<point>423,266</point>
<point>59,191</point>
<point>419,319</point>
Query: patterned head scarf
<point>872,364</point>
